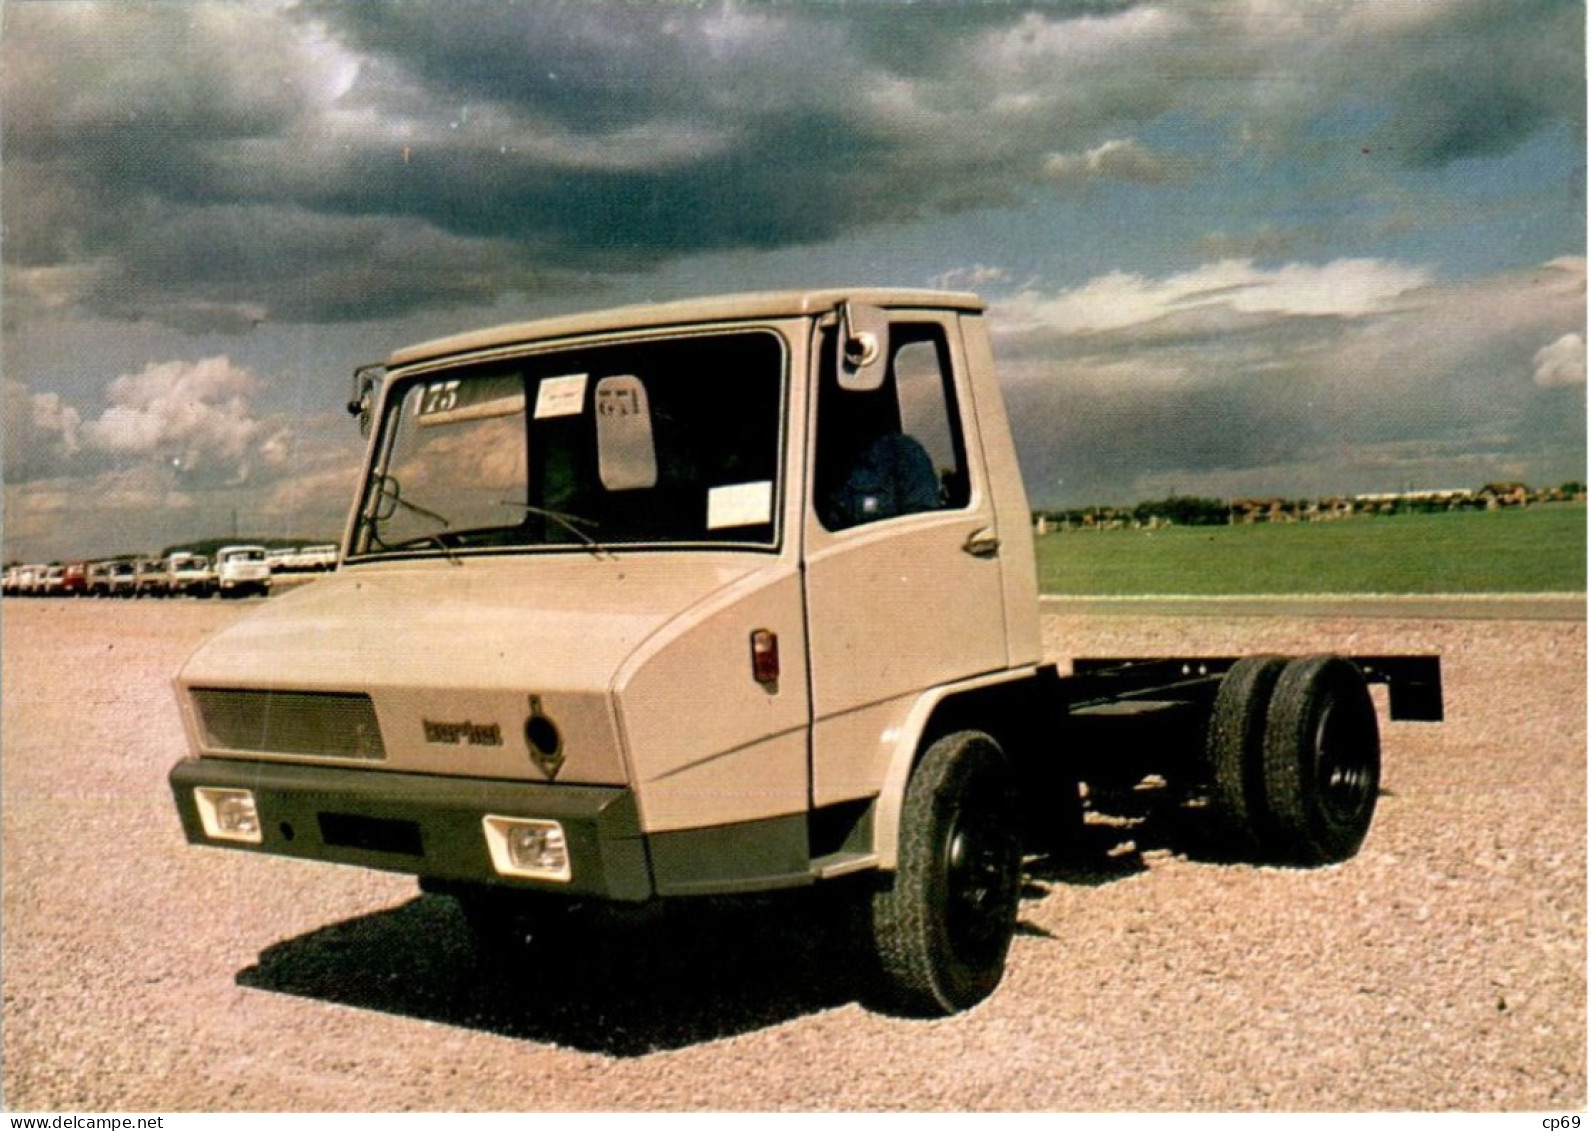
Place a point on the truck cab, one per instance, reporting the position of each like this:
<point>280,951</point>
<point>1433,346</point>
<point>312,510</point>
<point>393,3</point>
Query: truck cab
<point>702,598</point>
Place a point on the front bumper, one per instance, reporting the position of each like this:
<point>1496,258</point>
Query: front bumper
<point>422,824</point>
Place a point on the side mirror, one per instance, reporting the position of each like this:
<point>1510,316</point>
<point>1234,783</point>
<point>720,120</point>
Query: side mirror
<point>367,379</point>
<point>864,347</point>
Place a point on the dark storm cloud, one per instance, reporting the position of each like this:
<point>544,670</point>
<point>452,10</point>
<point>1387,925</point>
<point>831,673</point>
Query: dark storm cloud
<point>227,268</point>
<point>211,164</point>
<point>1495,75</point>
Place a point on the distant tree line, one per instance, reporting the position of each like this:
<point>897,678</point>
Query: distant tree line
<point>1195,510</point>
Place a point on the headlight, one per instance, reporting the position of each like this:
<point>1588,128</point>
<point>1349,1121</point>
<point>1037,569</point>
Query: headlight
<point>527,847</point>
<point>228,814</point>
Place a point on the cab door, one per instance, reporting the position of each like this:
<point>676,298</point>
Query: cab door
<point>903,577</point>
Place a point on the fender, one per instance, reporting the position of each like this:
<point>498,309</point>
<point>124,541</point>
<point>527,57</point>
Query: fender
<point>909,746</point>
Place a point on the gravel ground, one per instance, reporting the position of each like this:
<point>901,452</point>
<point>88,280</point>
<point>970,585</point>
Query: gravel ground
<point>1442,969</point>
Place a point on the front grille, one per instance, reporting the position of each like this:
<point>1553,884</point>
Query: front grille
<point>330,724</point>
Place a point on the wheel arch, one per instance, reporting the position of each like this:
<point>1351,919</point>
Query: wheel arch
<point>1001,705</point>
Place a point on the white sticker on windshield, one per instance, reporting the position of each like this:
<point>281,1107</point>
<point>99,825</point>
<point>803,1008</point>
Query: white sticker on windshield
<point>741,504</point>
<point>561,396</point>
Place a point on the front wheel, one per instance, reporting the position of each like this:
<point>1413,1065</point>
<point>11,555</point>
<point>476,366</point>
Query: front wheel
<point>944,924</point>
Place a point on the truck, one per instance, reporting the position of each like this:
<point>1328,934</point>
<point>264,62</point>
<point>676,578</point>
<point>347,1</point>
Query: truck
<point>149,577</point>
<point>113,578</point>
<point>74,579</point>
<point>189,574</point>
<point>728,596</point>
<point>241,571</point>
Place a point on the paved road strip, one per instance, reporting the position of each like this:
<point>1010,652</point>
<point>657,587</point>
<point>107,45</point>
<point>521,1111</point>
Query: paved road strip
<point>1436,606</point>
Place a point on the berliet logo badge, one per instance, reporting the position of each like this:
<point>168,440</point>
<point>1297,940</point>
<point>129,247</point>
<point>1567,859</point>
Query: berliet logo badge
<point>475,734</point>
<point>544,740</point>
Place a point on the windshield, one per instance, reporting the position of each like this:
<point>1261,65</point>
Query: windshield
<point>668,442</point>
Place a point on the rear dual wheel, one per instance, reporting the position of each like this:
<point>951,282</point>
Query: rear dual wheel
<point>1322,760</point>
<point>1234,749</point>
<point>1294,759</point>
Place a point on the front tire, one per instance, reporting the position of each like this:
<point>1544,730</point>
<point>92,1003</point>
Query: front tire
<point>943,926</point>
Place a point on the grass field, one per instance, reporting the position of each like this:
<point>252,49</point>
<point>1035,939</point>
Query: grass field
<point>1539,550</point>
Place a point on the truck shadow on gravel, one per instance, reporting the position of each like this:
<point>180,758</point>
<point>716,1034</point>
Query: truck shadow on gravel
<point>667,977</point>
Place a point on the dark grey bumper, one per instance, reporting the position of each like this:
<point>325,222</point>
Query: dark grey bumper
<point>423,825</point>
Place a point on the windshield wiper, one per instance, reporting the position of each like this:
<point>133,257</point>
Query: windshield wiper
<point>570,522</point>
<point>396,495</point>
<point>389,490</point>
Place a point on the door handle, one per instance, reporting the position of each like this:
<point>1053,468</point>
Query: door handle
<point>982,544</point>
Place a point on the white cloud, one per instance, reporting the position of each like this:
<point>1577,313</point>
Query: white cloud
<point>969,278</point>
<point>54,417</point>
<point>195,421</point>
<point>42,432</point>
<point>198,415</point>
<point>1117,160</point>
<point>1344,288</point>
<point>1562,363</point>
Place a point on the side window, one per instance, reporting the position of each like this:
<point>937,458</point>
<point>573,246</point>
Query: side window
<point>896,450</point>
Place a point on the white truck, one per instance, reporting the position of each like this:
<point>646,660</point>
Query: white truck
<point>241,571</point>
<point>189,574</point>
<point>727,596</point>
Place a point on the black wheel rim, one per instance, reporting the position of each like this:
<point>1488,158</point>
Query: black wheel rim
<point>979,885</point>
<point>1346,774</point>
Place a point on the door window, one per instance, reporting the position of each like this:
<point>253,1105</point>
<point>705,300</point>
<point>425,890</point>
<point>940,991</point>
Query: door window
<point>896,450</point>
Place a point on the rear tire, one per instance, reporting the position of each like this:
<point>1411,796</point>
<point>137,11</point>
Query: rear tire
<point>1235,756</point>
<point>943,926</point>
<point>1322,760</point>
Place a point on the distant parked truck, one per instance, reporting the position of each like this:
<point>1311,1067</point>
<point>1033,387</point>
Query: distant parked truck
<point>310,559</point>
<point>74,579</point>
<point>242,570</point>
<point>149,577</point>
<point>303,559</point>
<point>30,580</point>
<point>280,559</point>
<point>100,577</point>
<point>121,577</point>
<point>189,574</point>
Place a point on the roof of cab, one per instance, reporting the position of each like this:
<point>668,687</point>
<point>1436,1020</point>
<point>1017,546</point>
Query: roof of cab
<point>718,308</point>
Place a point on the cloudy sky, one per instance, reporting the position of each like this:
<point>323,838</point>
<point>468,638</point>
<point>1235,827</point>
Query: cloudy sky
<point>1231,246</point>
